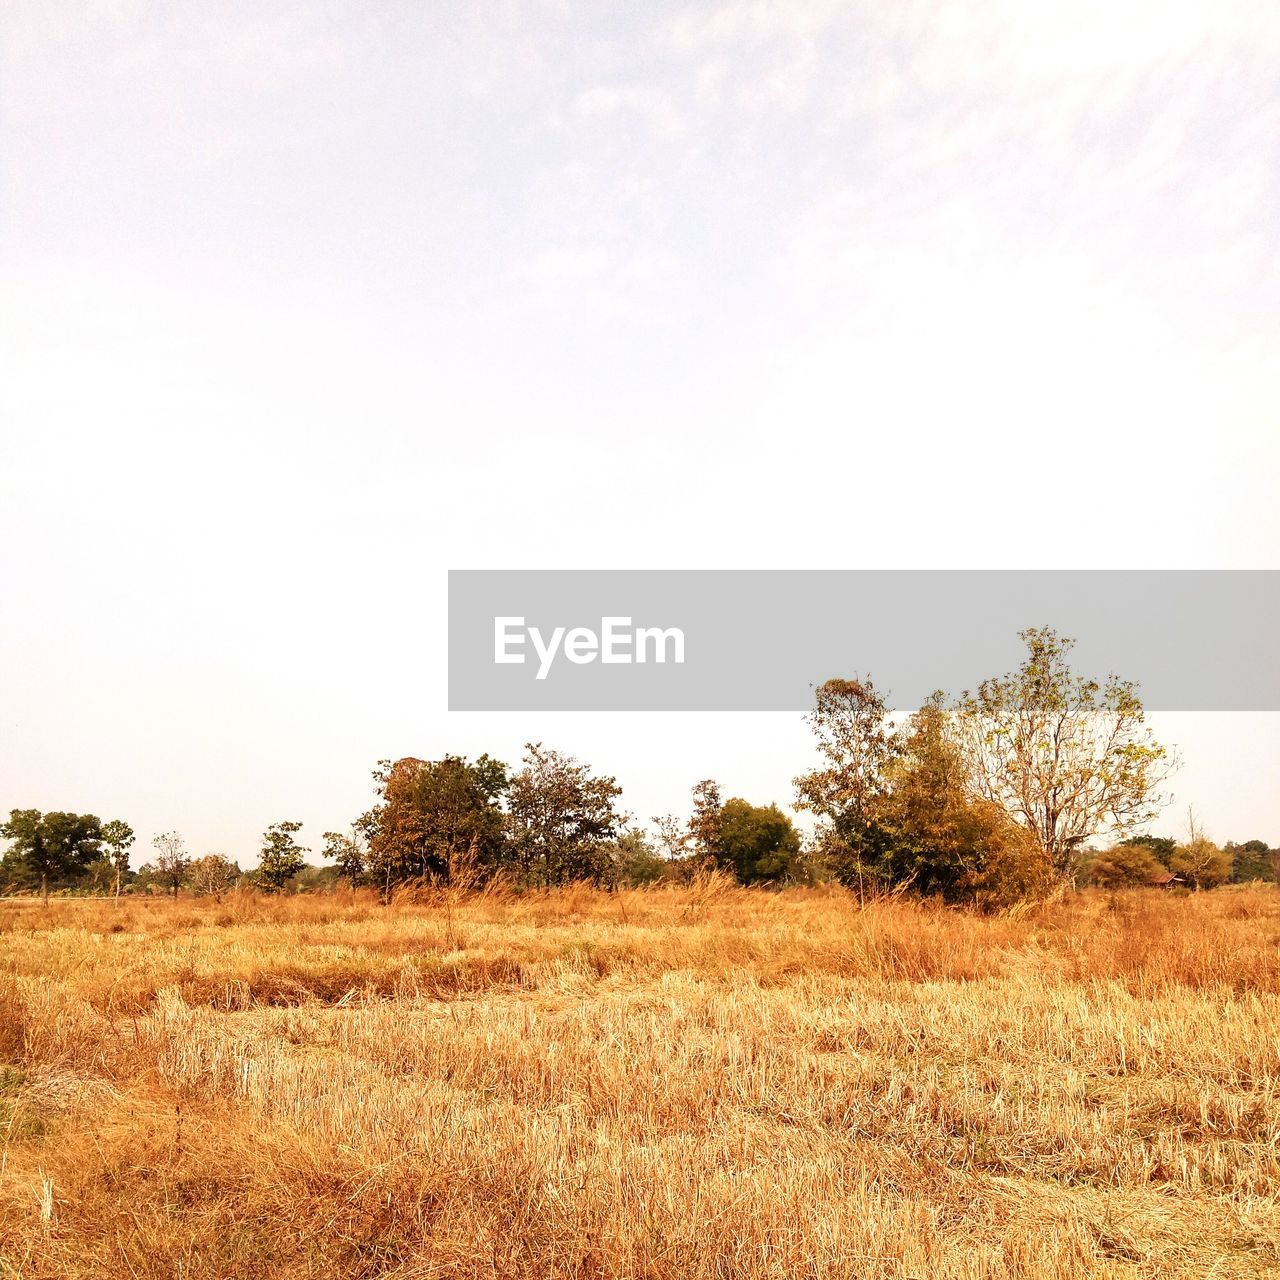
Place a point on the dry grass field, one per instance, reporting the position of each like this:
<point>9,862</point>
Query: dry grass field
<point>705,1082</point>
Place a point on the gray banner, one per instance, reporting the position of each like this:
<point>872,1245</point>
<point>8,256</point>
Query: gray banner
<point>757,640</point>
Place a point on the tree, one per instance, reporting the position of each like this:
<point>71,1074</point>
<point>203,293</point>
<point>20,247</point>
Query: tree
<point>1160,847</point>
<point>758,843</point>
<point>437,819</point>
<point>349,854</point>
<point>1202,863</point>
<point>857,746</point>
<point>1199,860</point>
<point>673,837</point>
<point>146,878</point>
<point>315,880</point>
<point>1067,756</point>
<point>561,819</point>
<point>282,857</point>
<point>1253,860</point>
<point>212,875</point>
<point>99,875</point>
<point>171,860</point>
<point>899,806</point>
<point>1126,864</point>
<point>50,846</point>
<point>118,837</point>
<point>704,841</point>
<point>937,833</point>
<point>632,861</point>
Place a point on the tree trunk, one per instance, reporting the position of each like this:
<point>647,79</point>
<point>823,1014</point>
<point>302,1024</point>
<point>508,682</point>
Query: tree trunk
<point>44,886</point>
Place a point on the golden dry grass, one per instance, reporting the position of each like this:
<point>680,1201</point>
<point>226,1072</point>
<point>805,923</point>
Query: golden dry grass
<point>704,1082</point>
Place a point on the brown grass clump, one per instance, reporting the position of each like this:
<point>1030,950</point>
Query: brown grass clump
<point>702,1082</point>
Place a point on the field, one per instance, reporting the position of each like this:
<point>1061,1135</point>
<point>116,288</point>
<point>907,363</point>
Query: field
<point>699,1082</point>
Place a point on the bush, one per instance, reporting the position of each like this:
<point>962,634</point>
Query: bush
<point>1124,865</point>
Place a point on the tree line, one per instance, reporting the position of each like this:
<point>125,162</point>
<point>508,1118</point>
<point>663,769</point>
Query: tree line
<point>995,796</point>
<point>78,852</point>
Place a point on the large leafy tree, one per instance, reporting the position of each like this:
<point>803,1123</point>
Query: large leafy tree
<point>1068,756</point>
<point>1124,865</point>
<point>48,847</point>
<point>938,833</point>
<point>561,819</point>
<point>758,843</point>
<point>438,820</point>
<point>897,805</point>
<point>1253,860</point>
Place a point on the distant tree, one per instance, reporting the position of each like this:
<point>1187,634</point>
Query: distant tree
<point>349,854</point>
<point>673,845</point>
<point>758,843</point>
<point>561,819</point>
<point>145,878</point>
<point>171,860</point>
<point>857,746</point>
<point>937,833</point>
<point>50,846</point>
<point>1126,864</point>
<point>899,806</point>
<point>281,857</point>
<point>1161,847</point>
<point>1067,756</point>
<point>672,837</point>
<point>1199,860</point>
<point>99,876</point>
<point>631,861</point>
<point>212,876</point>
<point>438,819</point>
<point>705,836</point>
<point>312,879</point>
<point>118,838</point>
<point>1252,860</point>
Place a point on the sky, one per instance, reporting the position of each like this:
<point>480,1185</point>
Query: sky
<point>302,305</point>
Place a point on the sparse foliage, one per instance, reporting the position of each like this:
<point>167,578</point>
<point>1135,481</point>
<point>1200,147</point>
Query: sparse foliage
<point>171,860</point>
<point>212,875</point>
<point>1067,756</point>
<point>349,853</point>
<point>1199,861</point>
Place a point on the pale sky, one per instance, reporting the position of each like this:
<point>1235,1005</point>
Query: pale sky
<point>304,305</point>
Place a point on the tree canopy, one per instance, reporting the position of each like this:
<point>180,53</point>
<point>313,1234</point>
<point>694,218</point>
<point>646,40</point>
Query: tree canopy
<point>1066,755</point>
<point>49,847</point>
